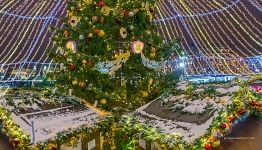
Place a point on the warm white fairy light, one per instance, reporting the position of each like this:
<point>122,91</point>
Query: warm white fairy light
<point>205,32</point>
<point>208,23</point>
<point>23,32</point>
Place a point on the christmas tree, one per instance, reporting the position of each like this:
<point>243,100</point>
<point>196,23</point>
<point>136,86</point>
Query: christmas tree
<point>109,52</point>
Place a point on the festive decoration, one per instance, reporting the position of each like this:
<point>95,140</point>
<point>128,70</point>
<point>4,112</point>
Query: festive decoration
<point>105,10</point>
<point>137,47</point>
<point>98,53</point>
<point>207,146</point>
<point>71,67</point>
<point>73,21</point>
<point>103,101</point>
<point>71,45</point>
<point>123,32</point>
<point>101,3</point>
<point>51,138</point>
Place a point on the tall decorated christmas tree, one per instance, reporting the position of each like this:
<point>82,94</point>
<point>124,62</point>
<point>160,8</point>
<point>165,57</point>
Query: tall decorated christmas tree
<point>108,52</point>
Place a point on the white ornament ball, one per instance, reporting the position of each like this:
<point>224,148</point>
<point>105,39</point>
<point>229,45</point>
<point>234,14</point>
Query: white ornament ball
<point>131,27</point>
<point>62,66</point>
<point>131,14</point>
<point>81,37</point>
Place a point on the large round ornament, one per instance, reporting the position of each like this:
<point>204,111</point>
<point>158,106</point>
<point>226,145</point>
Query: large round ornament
<point>71,45</point>
<point>137,47</point>
<point>73,21</point>
<point>123,32</point>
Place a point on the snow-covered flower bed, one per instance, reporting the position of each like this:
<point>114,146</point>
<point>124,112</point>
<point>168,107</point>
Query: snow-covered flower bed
<point>43,114</point>
<point>187,115</point>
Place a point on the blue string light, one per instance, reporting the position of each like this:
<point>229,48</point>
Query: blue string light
<point>185,26</point>
<point>28,17</point>
<point>254,4</point>
<point>46,23</point>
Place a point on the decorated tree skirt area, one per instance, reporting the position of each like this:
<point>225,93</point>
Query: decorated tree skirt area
<point>190,117</point>
<point>196,116</point>
<point>39,119</point>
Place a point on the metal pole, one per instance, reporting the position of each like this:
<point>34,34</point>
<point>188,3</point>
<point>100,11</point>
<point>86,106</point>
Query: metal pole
<point>33,131</point>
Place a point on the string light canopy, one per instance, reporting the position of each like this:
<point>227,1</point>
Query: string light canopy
<point>220,36</point>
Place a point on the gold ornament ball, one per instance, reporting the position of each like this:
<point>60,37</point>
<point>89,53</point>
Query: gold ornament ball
<point>94,18</point>
<point>144,94</point>
<point>163,145</point>
<point>101,33</point>
<point>82,84</point>
<point>152,55</point>
<point>88,2</point>
<point>75,82</point>
<point>84,61</point>
<point>153,50</point>
<point>103,101</point>
<point>90,35</point>
<point>216,143</point>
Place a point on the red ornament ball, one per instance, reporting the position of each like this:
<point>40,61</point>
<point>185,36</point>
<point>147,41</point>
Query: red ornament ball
<point>71,67</point>
<point>231,118</point>
<point>223,125</point>
<point>89,63</point>
<point>101,4</point>
<point>241,111</point>
<point>253,103</point>
<point>66,33</point>
<point>126,137</point>
<point>53,148</point>
<point>16,141</point>
<point>207,146</point>
<point>126,13</point>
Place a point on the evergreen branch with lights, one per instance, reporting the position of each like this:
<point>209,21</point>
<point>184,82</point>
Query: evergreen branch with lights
<point>117,32</point>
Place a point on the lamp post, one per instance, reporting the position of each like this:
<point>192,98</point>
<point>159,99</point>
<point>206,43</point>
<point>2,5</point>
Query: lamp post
<point>182,66</point>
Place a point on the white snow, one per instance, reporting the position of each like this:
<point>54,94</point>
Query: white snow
<point>182,85</point>
<point>48,125</point>
<point>228,90</point>
<point>189,131</point>
<point>196,107</point>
